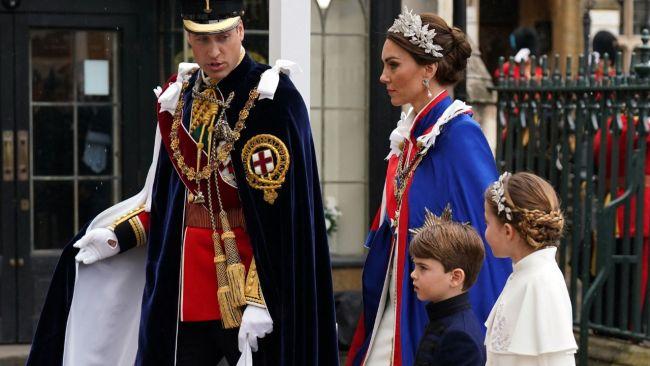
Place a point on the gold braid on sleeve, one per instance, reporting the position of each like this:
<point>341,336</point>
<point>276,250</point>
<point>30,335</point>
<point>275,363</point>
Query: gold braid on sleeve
<point>126,217</point>
<point>130,230</point>
<point>253,291</point>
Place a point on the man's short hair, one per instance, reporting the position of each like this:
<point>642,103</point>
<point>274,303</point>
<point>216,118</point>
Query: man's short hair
<point>454,245</point>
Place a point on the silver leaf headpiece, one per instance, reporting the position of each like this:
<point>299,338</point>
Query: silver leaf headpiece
<point>499,196</point>
<point>410,25</point>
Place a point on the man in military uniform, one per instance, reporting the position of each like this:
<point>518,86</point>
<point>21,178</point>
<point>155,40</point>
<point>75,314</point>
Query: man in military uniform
<point>230,225</point>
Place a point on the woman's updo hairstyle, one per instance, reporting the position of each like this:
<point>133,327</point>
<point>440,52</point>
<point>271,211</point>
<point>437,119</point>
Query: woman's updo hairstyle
<point>455,49</point>
<point>532,207</point>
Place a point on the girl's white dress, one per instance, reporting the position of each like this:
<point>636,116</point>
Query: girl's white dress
<point>531,323</point>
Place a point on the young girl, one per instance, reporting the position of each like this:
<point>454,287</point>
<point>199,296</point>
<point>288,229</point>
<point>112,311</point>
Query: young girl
<point>531,322</point>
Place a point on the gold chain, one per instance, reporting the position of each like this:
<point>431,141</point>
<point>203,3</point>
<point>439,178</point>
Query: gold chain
<point>403,174</point>
<point>223,152</point>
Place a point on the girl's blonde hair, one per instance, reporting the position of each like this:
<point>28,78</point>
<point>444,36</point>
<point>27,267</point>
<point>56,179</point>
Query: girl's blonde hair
<point>534,209</point>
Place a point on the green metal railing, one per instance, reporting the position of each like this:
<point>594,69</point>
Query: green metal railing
<point>586,133</point>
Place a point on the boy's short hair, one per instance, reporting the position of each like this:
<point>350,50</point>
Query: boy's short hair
<point>454,245</point>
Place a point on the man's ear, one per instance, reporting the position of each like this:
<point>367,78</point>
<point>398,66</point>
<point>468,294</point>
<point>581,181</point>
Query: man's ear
<point>240,31</point>
<point>457,278</point>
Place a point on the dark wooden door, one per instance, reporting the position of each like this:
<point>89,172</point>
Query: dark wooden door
<point>8,264</point>
<point>72,107</point>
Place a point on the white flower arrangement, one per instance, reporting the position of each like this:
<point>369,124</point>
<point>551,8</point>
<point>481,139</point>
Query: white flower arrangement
<point>332,215</point>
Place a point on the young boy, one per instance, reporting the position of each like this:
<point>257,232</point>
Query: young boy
<point>448,257</point>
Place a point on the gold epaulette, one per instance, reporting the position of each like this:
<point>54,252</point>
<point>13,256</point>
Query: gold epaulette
<point>253,291</point>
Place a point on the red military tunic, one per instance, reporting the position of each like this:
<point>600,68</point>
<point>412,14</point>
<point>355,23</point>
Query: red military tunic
<point>198,277</point>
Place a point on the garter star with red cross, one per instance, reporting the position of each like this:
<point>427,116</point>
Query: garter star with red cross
<point>263,162</point>
<point>266,159</point>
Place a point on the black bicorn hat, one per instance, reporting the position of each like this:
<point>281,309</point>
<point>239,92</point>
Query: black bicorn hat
<point>211,16</point>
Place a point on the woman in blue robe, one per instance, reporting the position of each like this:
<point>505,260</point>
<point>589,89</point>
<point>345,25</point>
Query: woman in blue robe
<point>439,156</point>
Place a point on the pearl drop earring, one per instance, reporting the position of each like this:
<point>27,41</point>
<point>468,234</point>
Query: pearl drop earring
<point>426,86</point>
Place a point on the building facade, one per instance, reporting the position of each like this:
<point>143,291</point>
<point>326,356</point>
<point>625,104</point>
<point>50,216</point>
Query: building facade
<point>77,108</point>
<point>77,119</point>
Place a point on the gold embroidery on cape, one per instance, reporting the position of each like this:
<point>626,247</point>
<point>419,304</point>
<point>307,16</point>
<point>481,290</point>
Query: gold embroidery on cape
<point>270,181</point>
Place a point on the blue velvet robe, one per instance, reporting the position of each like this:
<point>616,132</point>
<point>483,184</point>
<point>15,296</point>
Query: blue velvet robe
<point>288,238</point>
<point>455,171</point>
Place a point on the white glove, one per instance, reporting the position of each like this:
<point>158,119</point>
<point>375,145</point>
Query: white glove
<point>522,55</point>
<point>256,323</point>
<point>97,244</point>
<point>246,358</point>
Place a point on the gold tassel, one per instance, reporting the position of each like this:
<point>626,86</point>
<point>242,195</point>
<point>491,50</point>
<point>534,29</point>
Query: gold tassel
<point>236,272</point>
<point>236,280</point>
<point>230,315</point>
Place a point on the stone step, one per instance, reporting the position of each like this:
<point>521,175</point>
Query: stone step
<point>13,354</point>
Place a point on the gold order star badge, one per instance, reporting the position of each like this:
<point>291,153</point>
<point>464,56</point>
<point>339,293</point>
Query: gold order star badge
<point>266,159</point>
